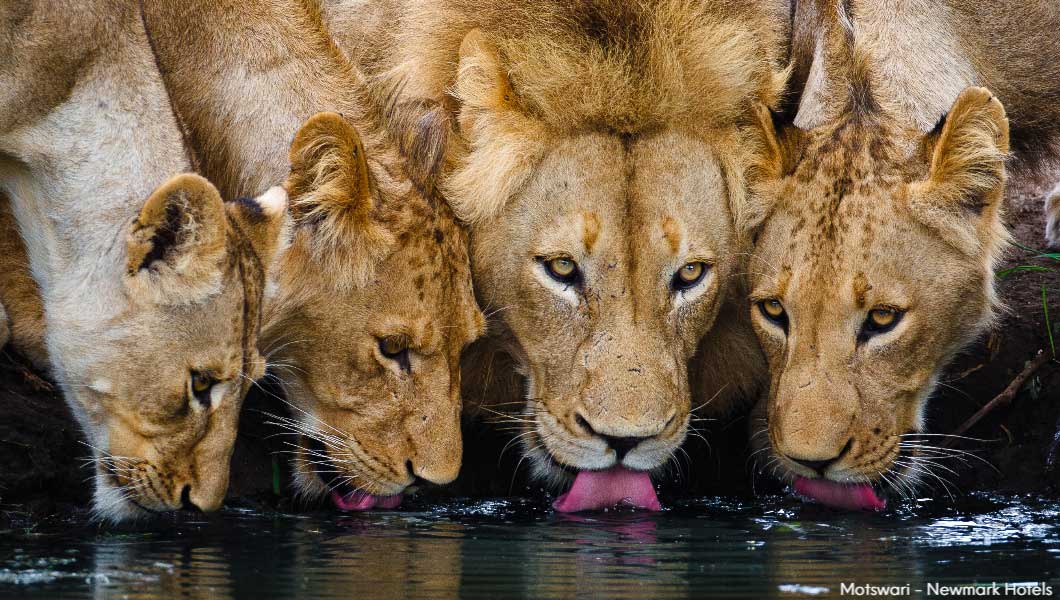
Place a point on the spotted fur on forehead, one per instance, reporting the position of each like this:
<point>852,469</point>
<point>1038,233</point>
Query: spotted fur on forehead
<point>842,177</point>
<point>405,204</point>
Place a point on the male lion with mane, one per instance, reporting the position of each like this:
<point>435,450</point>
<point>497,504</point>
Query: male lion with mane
<point>878,225</point>
<point>597,151</point>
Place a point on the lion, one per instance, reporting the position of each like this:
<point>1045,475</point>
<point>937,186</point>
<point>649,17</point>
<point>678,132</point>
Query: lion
<point>373,370</point>
<point>371,305</point>
<point>597,151</point>
<point>150,285</point>
<point>878,223</point>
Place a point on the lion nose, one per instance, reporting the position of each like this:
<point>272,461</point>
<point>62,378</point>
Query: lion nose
<point>437,474</point>
<point>818,465</point>
<point>622,445</point>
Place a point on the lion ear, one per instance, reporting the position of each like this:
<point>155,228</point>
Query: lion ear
<point>481,80</point>
<point>175,247</point>
<point>962,195</point>
<point>776,144</point>
<point>332,197</point>
<point>264,221</point>
<point>423,129</point>
<point>500,143</point>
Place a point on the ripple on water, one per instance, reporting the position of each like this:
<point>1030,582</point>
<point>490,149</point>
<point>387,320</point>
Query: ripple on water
<point>770,547</point>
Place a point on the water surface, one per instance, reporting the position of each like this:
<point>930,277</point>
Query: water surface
<point>769,548</point>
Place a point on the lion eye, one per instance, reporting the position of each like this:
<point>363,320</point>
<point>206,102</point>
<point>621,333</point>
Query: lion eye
<point>689,276</point>
<point>881,320</point>
<point>563,270</point>
<point>396,348</point>
<point>201,385</point>
<point>774,312</point>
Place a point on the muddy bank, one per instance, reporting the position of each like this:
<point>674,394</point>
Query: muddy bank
<point>41,471</point>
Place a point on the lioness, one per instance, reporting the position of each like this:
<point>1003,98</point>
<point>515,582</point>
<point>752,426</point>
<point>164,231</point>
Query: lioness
<point>372,369</point>
<point>878,224</point>
<point>151,287</point>
<point>598,155</point>
<point>371,305</point>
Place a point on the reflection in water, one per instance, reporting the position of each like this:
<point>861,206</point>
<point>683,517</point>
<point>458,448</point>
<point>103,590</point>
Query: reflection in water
<point>189,572</point>
<point>775,548</point>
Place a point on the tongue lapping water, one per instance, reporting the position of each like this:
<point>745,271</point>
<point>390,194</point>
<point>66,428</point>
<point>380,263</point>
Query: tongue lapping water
<point>848,496</point>
<point>360,501</point>
<point>595,490</point>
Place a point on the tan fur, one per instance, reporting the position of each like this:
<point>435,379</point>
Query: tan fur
<point>375,252</point>
<point>924,53</point>
<point>20,304</point>
<point>380,425</point>
<point>330,185</point>
<point>142,278</point>
<point>631,112</point>
<point>867,211</point>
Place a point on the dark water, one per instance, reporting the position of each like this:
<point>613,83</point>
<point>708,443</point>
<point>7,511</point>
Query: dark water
<point>772,548</point>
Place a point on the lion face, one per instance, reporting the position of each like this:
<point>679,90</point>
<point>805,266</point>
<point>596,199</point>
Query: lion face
<point>604,272</point>
<point>371,367</point>
<point>602,240</point>
<point>164,376</point>
<point>871,269</point>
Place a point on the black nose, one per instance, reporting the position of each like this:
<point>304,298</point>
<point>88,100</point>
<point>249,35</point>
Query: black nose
<point>185,500</point>
<point>821,465</point>
<point>622,445</point>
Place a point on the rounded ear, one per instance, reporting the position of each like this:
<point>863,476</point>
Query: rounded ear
<point>175,247</point>
<point>500,144</point>
<point>423,131</point>
<point>481,81</point>
<point>962,195</point>
<point>779,143</point>
<point>332,198</point>
<point>776,145</point>
<point>264,221</point>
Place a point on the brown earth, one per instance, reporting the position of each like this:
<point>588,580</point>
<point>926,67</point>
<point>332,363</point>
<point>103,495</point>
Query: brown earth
<point>41,456</point>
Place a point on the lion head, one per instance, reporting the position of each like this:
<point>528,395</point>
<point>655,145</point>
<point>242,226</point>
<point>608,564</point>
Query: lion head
<point>372,308</point>
<point>601,167</point>
<point>165,372</point>
<point>872,265</point>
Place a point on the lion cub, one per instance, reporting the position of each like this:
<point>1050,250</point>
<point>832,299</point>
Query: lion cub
<point>370,311</point>
<point>879,225</point>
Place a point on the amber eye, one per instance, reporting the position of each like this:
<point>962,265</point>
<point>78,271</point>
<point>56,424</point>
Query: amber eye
<point>201,385</point>
<point>881,320</point>
<point>563,270</point>
<point>774,312</point>
<point>689,275</point>
<point>396,348</point>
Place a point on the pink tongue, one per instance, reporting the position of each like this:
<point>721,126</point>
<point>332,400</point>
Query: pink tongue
<point>593,490</point>
<point>360,501</point>
<point>840,495</point>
